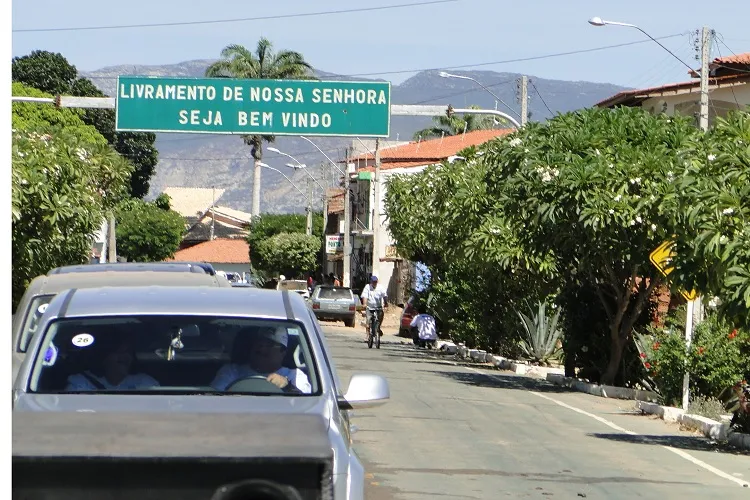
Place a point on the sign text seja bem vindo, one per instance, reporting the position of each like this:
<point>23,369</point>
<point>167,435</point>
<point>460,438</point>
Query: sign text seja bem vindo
<point>237,106</point>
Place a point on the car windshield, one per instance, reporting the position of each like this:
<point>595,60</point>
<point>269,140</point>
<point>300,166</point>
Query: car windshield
<point>334,293</point>
<point>174,354</point>
<point>32,316</point>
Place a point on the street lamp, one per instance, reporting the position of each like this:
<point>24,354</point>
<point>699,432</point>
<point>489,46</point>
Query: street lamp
<point>346,281</point>
<point>598,21</point>
<point>299,165</point>
<point>461,77</point>
<point>309,199</point>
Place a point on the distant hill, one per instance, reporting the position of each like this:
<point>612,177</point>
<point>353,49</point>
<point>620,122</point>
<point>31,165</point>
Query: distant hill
<point>199,160</point>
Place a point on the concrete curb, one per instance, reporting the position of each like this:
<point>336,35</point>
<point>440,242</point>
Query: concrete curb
<point>481,356</point>
<point>605,391</point>
<point>718,431</point>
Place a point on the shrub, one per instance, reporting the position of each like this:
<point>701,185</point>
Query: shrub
<point>707,407</point>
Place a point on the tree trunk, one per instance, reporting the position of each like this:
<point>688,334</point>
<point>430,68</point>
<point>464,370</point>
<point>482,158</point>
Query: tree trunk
<point>256,188</point>
<point>615,358</point>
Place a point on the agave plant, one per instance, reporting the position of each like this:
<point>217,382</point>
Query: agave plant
<point>541,335</point>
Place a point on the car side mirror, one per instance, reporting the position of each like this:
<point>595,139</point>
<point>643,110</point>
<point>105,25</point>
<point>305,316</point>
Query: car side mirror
<point>365,391</point>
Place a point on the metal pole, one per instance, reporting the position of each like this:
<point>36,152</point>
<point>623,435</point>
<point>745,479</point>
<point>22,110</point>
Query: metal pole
<point>347,273</point>
<point>112,247</point>
<point>376,213</point>
<point>309,208</point>
<point>688,341</point>
<point>524,100</point>
<point>213,214</point>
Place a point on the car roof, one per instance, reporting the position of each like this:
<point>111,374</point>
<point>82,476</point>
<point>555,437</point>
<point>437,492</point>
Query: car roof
<point>43,285</point>
<point>177,300</point>
<point>130,267</point>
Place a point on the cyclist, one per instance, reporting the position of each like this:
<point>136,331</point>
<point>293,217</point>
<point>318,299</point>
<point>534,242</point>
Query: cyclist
<point>375,299</point>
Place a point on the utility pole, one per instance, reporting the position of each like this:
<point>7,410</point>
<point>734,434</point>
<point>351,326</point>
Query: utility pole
<point>309,207</point>
<point>213,214</point>
<point>376,213</point>
<point>524,100</point>
<point>112,246</point>
<point>347,274</point>
<point>694,307</point>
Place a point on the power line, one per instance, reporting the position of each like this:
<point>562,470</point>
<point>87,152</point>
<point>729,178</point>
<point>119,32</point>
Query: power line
<point>542,98</point>
<point>236,20</point>
<point>463,92</point>
<point>521,59</point>
<point>718,49</point>
<point>489,63</point>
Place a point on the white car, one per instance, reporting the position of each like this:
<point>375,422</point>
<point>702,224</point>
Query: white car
<point>299,286</point>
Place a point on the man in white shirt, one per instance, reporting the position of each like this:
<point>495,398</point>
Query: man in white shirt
<point>426,329</point>
<point>261,353</point>
<point>375,299</point>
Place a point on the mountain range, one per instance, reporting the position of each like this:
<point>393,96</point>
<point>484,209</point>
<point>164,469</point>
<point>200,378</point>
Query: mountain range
<point>201,160</point>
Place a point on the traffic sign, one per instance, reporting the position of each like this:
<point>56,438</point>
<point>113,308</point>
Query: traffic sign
<point>662,258</point>
<point>241,106</point>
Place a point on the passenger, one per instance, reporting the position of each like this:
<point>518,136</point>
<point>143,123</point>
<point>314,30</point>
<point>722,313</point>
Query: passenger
<point>260,351</point>
<point>112,356</point>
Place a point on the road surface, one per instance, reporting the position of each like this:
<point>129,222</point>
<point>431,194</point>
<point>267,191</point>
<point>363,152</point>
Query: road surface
<point>455,431</point>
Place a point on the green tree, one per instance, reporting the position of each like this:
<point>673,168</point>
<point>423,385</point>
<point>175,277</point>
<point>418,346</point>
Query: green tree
<point>147,232</point>
<point>267,226</point>
<point>290,254</point>
<point>713,230</point>
<point>455,125</point>
<point>63,183</point>
<point>239,62</point>
<point>52,73</point>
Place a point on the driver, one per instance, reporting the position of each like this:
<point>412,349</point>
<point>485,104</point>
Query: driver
<point>260,351</point>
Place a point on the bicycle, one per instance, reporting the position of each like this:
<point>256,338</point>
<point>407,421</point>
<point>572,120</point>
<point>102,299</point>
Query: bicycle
<point>374,319</point>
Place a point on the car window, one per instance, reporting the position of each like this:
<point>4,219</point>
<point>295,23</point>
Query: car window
<point>174,355</point>
<point>334,293</point>
<point>31,320</point>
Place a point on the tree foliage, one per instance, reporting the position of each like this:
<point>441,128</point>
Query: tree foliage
<point>52,73</point>
<point>713,207</point>
<point>62,185</point>
<point>265,227</point>
<point>290,254</point>
<point>148,232</point>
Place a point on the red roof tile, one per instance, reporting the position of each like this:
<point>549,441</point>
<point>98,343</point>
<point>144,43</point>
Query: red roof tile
<point>734,59</point>
<point>435,150</point>
<point>221,251</point>
<point>335,200</point>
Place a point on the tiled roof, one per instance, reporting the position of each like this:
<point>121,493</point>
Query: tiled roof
<point>235,214</point>
<point>335,198</point>
<point>633,97</point>
<point>436,149</point>
<point>220,251</point>
<point>192,201</point>
<point>734,59</point>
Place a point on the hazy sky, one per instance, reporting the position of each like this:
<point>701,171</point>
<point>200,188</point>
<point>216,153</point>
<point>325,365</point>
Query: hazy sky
<point>462,32</point>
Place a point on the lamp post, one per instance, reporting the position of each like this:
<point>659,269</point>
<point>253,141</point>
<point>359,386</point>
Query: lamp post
<point>299,165</point>
<point>309,198</point>
<point>346,281</point>
<point>461,77</point>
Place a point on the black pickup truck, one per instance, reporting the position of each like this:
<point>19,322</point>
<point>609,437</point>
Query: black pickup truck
<point>145,456</point>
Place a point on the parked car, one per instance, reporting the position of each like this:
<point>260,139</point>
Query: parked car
<point>299,286</point>
<point>409,312</point>
<point>180,337</point>
<point>334,303</point>
<point>43,289</point>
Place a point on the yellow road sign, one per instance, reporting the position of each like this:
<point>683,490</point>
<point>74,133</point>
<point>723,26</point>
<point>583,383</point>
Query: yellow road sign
<point>662,258</point>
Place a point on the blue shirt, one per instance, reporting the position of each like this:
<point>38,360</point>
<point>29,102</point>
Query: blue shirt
<point>79,382</point>
<point>232,372</point>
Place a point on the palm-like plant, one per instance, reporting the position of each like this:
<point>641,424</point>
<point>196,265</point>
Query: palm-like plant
<point>540,343</point>
<point>238,61</point>
<point>455,125</point>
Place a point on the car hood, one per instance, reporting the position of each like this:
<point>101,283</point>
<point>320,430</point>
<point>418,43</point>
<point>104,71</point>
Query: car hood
<point>107,403</point>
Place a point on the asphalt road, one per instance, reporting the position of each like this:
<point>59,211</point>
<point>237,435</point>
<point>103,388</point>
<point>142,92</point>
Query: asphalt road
<point>455,431</point>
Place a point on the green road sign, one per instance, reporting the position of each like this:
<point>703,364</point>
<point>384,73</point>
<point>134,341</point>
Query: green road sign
<point>235,106</point>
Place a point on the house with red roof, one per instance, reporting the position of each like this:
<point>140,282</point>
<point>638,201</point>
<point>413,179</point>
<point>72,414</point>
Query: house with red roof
<point>409,158</point>
<point>231,255</point>
<point>728,86</point>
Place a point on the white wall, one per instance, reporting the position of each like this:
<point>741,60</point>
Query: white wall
<point>720,101</point>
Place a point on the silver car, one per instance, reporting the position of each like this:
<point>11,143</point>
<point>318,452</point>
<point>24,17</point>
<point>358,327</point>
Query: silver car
<point>172,350</point>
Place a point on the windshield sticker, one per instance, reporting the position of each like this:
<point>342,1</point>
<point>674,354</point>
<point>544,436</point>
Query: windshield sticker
<point>83,340</point>
<point>50,356</point>
<point>42,308</point>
